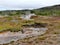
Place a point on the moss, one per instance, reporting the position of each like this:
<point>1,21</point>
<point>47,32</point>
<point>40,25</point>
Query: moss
<point>42,38</point>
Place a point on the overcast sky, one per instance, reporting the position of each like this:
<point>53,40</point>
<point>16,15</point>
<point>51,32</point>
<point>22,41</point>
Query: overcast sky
<point>26,4</point>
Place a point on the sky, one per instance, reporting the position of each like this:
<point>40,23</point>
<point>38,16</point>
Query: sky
<point>26,4</point>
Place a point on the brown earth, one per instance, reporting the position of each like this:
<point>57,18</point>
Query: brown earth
<point>51,37</point>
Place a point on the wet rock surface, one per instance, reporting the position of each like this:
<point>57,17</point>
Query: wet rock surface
<point>14,36</point>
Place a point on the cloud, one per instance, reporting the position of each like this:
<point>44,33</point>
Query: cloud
<point>26,4</point>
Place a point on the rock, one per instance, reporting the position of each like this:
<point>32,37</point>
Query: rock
<point>33,17</point>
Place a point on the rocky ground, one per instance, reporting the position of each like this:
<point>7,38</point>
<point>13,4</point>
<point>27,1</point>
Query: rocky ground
<point>8,36</point>
<point>50,37</point>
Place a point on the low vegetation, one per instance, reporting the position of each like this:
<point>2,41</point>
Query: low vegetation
<point>47,16</point>
<point>45,11</point>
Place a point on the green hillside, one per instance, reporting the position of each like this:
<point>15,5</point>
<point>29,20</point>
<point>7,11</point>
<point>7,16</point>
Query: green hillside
<point>50,10</point>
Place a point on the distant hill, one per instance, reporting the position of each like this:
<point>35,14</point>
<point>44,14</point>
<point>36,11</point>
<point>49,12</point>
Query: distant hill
<point>50,10</point>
